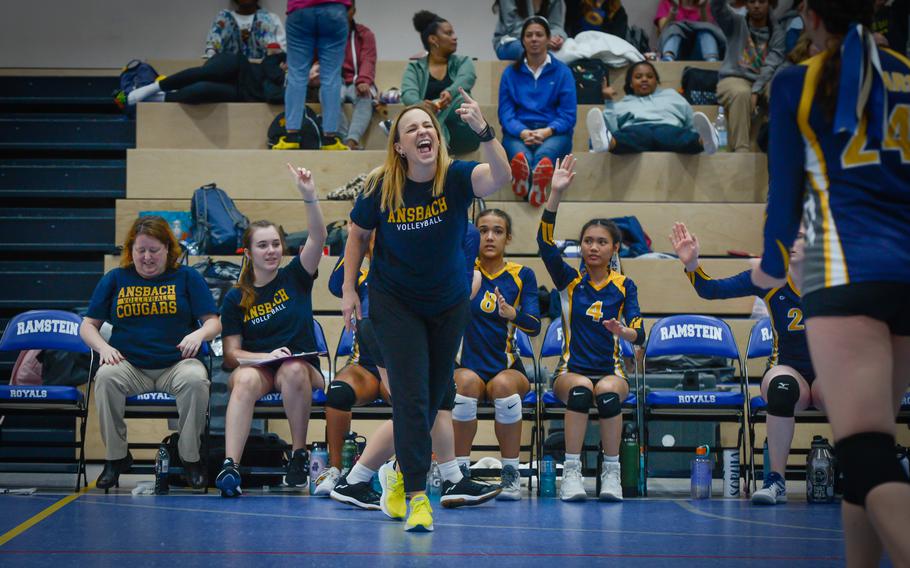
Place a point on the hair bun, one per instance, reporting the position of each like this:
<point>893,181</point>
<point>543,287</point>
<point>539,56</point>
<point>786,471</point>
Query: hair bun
<point>423,19</point>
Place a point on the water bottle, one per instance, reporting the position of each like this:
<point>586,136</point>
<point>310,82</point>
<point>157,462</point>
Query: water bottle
<point>820,472</point>
<point>628,460</point>
<point>162,465</point>
<point>319,460</point>
<point>720,125</point>
<point>701,473</point>
<point>434,481</point>
<point>765,461</point>
<point>348,451</point>
<point>548,477</point>
<point>731,473</point>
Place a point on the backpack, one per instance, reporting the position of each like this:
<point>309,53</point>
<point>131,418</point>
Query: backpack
<point>136,74</point>
<point>217,226</point>
<point>27,369</point>
<point>220,275</point>
<point>261,451</point>
<point>699,86</point>
<point>638,38</point>
<point>589,75</point>
<point>67,367</point>
<point>310,130</point>
<point>635,242</point>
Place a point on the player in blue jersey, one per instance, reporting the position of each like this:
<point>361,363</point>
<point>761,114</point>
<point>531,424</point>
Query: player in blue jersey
<point>269,315</point>
<point>490,369</point>
<point>596,299</point>
<point>840,124</point>
<point>788,384</point>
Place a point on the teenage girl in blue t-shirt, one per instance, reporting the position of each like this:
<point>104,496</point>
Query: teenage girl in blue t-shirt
<point>269,315</point>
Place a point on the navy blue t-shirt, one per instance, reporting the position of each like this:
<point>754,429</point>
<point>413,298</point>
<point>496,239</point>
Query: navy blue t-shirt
<point>418,256</point>
<point>151,316</point>
<point>282,315</point>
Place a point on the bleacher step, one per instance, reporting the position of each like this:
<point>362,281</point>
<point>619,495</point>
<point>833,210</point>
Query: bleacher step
<point>57,229</point>
<point>70,179</point>
<point>57,284</point>
<point>64,131</point>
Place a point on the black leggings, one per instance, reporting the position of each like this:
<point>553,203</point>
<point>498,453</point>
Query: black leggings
<point>419,354</point>
<point>217,81</point>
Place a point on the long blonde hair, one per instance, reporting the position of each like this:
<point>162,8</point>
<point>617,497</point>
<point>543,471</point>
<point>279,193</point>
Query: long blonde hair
<point>393,172</point>
<point>246,280</point>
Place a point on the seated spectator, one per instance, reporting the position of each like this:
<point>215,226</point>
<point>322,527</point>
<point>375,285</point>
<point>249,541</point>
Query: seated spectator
<point>358,72</point>
<point>537,107</point>
<point>648,119</point>
<point>247,30</point>
<point>606,16</point>
<point>755,49</point>
<point>224,78</point>
<point>513,14</point>
<point>155,306</point>
<point>792,23</point>
<point>889,24</point>
<point>687,31</point>
<point>434,80</point>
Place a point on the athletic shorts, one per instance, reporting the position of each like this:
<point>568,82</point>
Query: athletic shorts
<point>808,373</point>
<point>487,376</point>
<point>368,344</point>
<point>888,302</point>
<point>369,367</point>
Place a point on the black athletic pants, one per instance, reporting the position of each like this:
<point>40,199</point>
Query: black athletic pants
<point>217,81</point>
<point>419,354</point>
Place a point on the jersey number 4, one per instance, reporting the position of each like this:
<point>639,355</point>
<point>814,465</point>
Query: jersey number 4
<point>856,154</point>
<point>596,311</point>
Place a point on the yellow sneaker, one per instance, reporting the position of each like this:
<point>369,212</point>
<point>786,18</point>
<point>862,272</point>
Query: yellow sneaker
<point>392,501</point>
<point>421,517</point>
<point>336,145</point>
<point>283,144</point>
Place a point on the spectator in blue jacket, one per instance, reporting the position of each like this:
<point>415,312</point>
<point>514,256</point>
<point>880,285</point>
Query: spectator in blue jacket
<point>537,107</point>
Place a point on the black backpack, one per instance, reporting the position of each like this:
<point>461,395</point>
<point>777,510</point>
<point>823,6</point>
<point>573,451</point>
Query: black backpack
<point>589,75</point>
<point>266,450</point>
<point>310,130</point>
<point>220,275</point>
<point>217,224</point>
<point>700,86</point>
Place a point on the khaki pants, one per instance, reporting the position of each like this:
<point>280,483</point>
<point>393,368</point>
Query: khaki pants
<point>187,381</point>
<point>735,93</point>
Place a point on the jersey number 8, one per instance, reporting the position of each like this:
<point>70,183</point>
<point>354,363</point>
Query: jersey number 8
<point>488,303</point>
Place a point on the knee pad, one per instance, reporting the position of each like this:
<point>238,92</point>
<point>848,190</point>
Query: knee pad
<point>448,401</point>
<point>608,405</point>
<point>580,399</point>
<point>507,410</point>
<point>867,460</point>
<point>465,408</point>
<point>783,394</point>
<point>341,396</point>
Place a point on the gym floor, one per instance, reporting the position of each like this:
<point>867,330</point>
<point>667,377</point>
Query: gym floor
<point>54,527</point>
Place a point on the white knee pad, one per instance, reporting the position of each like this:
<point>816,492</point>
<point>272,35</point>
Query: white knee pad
<point>465,408</point>
<point>508,409</point>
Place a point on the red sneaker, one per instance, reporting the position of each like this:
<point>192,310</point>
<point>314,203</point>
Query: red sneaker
<point>543,173</point>
<point>521,171</point>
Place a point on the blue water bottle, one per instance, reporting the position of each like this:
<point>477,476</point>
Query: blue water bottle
<point>548,477</point>
<point>701,473</point>
<point>434,481</point>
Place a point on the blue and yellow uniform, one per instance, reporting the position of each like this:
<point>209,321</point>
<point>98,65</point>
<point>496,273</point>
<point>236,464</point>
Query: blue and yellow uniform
<point>852,171</point>
<point>784,308</point>
<point>590,349</point>
<point>359,356</point>
<point>489,340</point>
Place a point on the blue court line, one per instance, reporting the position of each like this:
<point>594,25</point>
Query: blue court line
<point>690,508</point>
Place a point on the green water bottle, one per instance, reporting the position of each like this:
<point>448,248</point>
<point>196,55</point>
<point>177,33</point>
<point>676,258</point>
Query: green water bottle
<point>629,461</point>
<point>348,453</point>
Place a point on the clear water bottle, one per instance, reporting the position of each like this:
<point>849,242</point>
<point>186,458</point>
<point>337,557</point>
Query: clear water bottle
<point>548,477</point>
<point>701,473</point>
<point>434,482</point>
<point>162,465</point>
<point>820,472</point>
<point>720,125</point>
<point>319,459</point>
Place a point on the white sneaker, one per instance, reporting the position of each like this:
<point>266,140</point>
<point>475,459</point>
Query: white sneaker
<point>706,132</point>
<point>597,130</point>
<point>573,484</point>
<point>610,484</point>
<point>511,484</point>
<point>326,481</point>
<point>773,492</point>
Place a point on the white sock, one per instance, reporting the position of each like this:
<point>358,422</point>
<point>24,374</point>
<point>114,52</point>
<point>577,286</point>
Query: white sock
<point>611,459</point>
<point>510,461</point>
<point>466,460</point>
<point>573,457</point>
<point>156,98</point>
<point>450,471</point>
<point>142,93</point>
<point>360,474</point>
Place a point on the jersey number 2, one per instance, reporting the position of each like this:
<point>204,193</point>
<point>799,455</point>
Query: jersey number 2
<point>796,320</point>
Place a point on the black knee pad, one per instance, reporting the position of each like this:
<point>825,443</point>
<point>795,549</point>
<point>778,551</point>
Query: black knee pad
<point>783,394</point>
<point>868,460</point>
<point>448,402</point>
<point>580,399</point>
<point>341,396</point>
<point>608,405</point>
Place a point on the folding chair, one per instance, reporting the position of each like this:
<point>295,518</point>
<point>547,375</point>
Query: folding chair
<point>551,408</point>
<point>46,329</point>
<point>694,335</point>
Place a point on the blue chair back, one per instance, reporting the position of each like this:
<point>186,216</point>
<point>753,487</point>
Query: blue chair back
<point>319,335</point>
<point>553,340</point>
<point>691,335</point>
<point>761,340</point>
<point>523,344</point>
<point>345,344</point>
<point>625,348</point>
<point>44,329</point>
